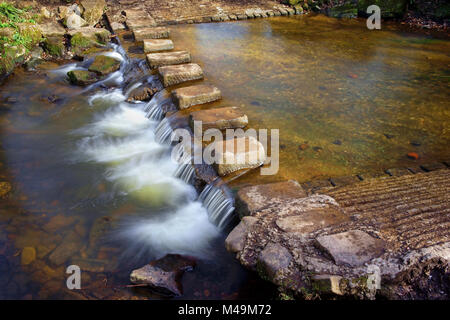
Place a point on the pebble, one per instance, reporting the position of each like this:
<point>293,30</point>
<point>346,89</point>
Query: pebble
<point>28,255</point>
<point>303,146</point>
<point>413,156</point>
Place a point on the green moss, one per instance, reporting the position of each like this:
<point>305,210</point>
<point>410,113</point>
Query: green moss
<point>347,10</point>
<point>104,65</point>
<point>54,46</point>
<point>81,77</point>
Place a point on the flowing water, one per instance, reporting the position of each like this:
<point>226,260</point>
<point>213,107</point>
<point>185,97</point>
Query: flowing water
<point>92,174</point>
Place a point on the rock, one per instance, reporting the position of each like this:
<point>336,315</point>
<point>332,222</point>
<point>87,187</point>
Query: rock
<point>251,199</point>
<point>28,255</point>
<point>45,13</point>
<point>194,95</point>
<point>104,65</point>
<point>157,45</point>
<point>155,60</point>
<point>236,239</point>
<point>221,118</point>
<point>54,46</point>
<point>138,19</point>
<point>177,74</point>
<point>74,21</point>
<point>143,93</point>
<point>70,246</point>
<point>150,33</point>
<point>94,265</point>
<point>325,283</point>
<point>58,222</point>
<point>353,247</point>
<point>5,188</point>
<point>389,8</point>
<point>93,10</point>
<point>250,154</point>
<point>343,181</point>
<point>84,39</point>
<point>272,260</point>
<point>164,274</point>
<point>35,58</point>
<point>117,26</point>
<point>433,166</point>
<point>97,233</point>
<point>347,10</point>
<point>52,29</point>
<point>82,77</point>
<point>413,155</point>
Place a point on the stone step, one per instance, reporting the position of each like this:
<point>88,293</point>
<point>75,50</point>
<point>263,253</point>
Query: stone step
<point>237,154</point>
<point>194,95</point>
<point>157,45</point>
<point>156,60</point>
<point>141,34</point>
<point>171,75</point>
<point>221,118</point>
<point>137,19</point>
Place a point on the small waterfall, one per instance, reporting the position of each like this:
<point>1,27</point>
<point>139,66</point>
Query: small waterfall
<point>154,106</point>
<point>163,132</point>
<point>219,205</point>
<point>185,172</point>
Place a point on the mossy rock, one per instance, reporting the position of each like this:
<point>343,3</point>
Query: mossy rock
<point>389,8</point>
<point>31,33</point>
<point>54,46</point>
<point>82,77</point>
<point>88,38</point>
<point>347,10</point>
<point>11,56</point>
<point>104,65</point>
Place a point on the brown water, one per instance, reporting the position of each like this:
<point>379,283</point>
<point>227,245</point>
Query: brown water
<point>316,79</point>
<point>355,99</point>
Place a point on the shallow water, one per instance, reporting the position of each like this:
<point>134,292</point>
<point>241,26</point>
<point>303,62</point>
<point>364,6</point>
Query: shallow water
<point>85,165</point>
<point>355,99</point>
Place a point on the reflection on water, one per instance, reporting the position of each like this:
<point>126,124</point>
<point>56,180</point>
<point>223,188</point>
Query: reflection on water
<point>346,100</point>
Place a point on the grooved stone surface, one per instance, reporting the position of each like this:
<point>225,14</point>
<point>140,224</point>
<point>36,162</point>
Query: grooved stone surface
<point>157,45</point>
<point>171,75</point>
<point>193,95</point>
<point>221,118</point>
<point>155,60</point>
<point>142,34</point>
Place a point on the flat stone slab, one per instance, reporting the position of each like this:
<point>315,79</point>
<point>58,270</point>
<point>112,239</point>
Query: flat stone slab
<point>236,238</point>
<point>237,154</point>
<point>142,34</point>
<point>157,45</point>
<point>171,75</point>
<point>194,95</point>
<point>221,118</point>
<point>353,247</point>
<point>137,19</point>
<point>156,60</point>
<point>253,198</point>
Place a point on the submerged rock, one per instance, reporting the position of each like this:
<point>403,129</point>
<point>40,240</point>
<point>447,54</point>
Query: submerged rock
<point>5,188</point>
<point>70,246</point>
<point>104,65</point>
<point>164,274</point>
<point>28,255</point>
<point>82,77</point>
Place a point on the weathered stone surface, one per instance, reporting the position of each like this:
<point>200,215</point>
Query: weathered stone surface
<point>87,38</point>
<point>221,118</point>
<point>157,45</point>
<point>353,247</point>
<point>164,274</point>
<point>155,60</point>
<point>137,19</point>
<point>74,21</point>
<point>70,246</point>
<point>82,77</point>
<point>251,199</point>
<point>273,259</point>
<point>177,74</point>
<point>236,238</point>
<point>143,93</point>
<point>52,29</point>
<point>150,33</point>
<point>194,95</point>
<point>325,283</point>
<point>93,10</point>
<point>54,46</point>
<point>343,181</point>
<point>236,154</point>
<point>104,65</point>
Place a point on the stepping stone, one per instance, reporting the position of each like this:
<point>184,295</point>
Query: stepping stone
<point>194,95</point>
<point>222,118</point>
<point>156,60</point>
<point>171,75</point>
<point>157,45</point>
<point>352,248</point>
<point>237,154</point>
<point>139,19</point>
<point>142,34</point>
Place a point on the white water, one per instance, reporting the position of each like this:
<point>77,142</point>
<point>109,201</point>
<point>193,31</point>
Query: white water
<point>122,138</point>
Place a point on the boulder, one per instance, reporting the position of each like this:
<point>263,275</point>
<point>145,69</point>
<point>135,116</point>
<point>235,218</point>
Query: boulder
<point>93,10</point>
<point>87,38</point>
<point>273,260</point>
<point>52,29</point>
<point>221,118</point>
<point>54,46</point>
<point>150,33</point>
<point>104,65</point>
<point>82,77</point>
<point>236,238</point>
<point>172,75</point>
<point>236,154</point>
<point>157,45</point>
<point>155,60</point>
<point>194,95</point>
<point>250,200</point>
<point>74,21</point>
<point>164,275</point>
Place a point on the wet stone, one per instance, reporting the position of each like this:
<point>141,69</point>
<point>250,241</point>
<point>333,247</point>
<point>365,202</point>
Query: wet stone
<point>236,239</point>
<point>250,200</point>
<point>67,249</point>
<point>157,45</point>
<point>433,166</point>
<point>150,33</point>
<point>352,248</point>
<point>94,265</point>
<point>82,77</point>
<point>221,118</point>
<point>28,255</point>
<point>273,259</point>
<point>397,172</point>
<point>194,95</point>
<point>155,60</point>
<point>172,75</point>
<point>143,93</point>
<point>316,185</point>
<point>104,65</point>
<point>344,181</point>
<point>164,275</point>
<point>5,188</point>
